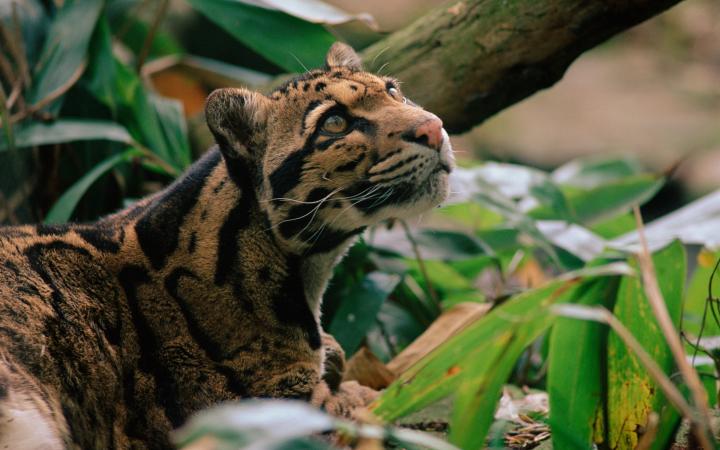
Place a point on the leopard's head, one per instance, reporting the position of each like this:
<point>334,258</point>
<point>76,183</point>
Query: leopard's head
<point>335,150</point>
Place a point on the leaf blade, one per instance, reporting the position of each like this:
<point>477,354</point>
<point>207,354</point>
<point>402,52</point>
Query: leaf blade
<point>65,205</point>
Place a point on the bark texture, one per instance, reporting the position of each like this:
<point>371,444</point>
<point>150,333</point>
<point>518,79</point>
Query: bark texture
<point>469,59</point>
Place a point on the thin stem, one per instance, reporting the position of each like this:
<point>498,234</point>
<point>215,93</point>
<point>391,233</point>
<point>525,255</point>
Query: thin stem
<point>52,96</point>
<point>421,265</point>
<point>150,37</point>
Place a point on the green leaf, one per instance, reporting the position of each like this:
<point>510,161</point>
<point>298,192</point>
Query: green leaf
<point>605,201</point>
<point>65,48</point>
<point>440,373</point>
<point>477,396</point>
<point>359,309</point>
<point>156,124</point>
<point>593,172</point>
<point>575,378</point>
<point>632,394</point>
<point>472,215</point>
<point>172,121</point>
<point>615,226</point>
<point>442,275</point>
<point>697,295</point>
<point>291,43</point>
<point>64,207</point>
<point>67,130</point>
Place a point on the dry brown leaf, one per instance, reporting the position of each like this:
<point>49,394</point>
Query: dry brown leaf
<point>530,274</point>
<point>444,327</point>
<point>365,368</point>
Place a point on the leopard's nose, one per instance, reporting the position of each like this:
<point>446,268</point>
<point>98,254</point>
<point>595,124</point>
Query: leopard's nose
<point>428,133</point>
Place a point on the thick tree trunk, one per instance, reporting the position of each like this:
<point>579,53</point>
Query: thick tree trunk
<point>467,60</point>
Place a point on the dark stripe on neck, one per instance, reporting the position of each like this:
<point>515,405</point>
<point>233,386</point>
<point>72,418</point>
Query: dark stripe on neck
<point>228,248</point>
<point>158,230</point>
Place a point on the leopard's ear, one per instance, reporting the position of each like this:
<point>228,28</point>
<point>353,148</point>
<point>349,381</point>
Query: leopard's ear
<point>237,118</point>
<point>342,55</point>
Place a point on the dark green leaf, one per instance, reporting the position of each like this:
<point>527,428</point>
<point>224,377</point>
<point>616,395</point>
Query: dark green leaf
<point>156,124</point>
<point>574,381</point>
<point>64,207</point>
<point>65,49</point>
<point>291,43</point>
<point>359,308</point>
<point>67,130</point>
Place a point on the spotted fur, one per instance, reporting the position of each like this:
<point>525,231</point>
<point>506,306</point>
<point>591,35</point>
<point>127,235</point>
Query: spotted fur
<point>113,333</point>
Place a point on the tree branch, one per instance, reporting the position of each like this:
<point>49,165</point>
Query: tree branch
<point>467,60</point>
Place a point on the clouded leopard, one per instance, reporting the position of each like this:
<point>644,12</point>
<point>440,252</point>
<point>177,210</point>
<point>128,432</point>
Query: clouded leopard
<point>112,333</point>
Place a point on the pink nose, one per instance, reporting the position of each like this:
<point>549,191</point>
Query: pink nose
<point>430,132</point>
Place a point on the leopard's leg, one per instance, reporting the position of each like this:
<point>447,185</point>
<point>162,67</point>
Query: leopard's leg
<point>317,379</point>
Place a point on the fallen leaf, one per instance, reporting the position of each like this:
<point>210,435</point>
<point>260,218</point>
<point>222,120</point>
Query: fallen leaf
<point>365,368</point>
<point>444,327</point>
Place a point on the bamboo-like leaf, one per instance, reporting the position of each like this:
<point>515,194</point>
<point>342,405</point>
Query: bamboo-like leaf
<point>64,207</point>
<point>632,394</point>
<point>574,381</point>
<point>442,371</point>
<point>156,124</point>
<point>68,130</point>
<point>65,48</point>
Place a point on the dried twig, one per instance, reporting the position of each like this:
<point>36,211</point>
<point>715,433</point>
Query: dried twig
<point>650,433</point>
<point>5,116</point>
<point>147,45</point>
<point>13,47</point>
<point>51,97</point>
<point>659,308</point>
<point>20,58</point>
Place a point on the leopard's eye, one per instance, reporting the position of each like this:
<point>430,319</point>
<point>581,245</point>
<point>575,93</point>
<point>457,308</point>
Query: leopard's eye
<point>335,125</point>
<point>393,92</point>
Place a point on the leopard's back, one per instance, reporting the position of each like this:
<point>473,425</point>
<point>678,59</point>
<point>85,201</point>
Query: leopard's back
<point>60,335</point>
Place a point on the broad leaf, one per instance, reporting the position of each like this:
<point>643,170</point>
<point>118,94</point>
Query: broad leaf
<point>359,308</point>
<point>599,203</point>
<point>263,423</point>
<point>695,223</point>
